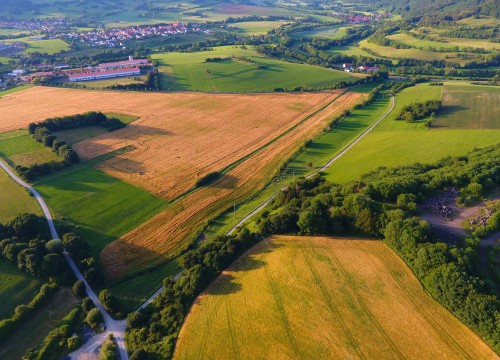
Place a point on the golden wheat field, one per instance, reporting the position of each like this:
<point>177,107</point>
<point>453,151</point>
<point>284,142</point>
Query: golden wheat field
<point>322,298</point>
<point>169,232</point>
<point>178,138</point>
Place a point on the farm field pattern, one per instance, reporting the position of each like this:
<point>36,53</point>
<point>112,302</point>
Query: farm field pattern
<point>317,298</point>
<point>166,234</point>
<point>178,138</point>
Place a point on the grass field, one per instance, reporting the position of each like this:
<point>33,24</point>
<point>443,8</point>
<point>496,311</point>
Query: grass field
<point>330,32</point>
<point>390,52</point>
<point>189,71</point>
<point>105,83</point>
<point>167,234</point>
<point>14,90</point>
<point>46,46</point>
<point>445,43</point>
<point>43,321</point>
<point>257,27</point>
<point>15,288</point>
<point>14,200</point>
<point>471,107</point>
<point>394,143</point>
<point>318,298</point>
<point>103,207</point>
<point>19,148</point>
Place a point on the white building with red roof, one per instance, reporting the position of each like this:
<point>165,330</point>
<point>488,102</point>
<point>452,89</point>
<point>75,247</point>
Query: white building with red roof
<point>105,74</point>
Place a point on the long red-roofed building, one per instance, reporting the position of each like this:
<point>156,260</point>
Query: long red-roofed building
<point>105,74</point>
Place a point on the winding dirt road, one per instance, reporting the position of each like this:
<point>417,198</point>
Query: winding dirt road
<point>114,327</point>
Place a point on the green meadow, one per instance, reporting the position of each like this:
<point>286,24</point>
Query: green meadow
<point>101,206</point>
<point>257,27</point>
<point>15,288</point>
<point>395,142</point>
<point>241,70</point>
<point>19,148</point>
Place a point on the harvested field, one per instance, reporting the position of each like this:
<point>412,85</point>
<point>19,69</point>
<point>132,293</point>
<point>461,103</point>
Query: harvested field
<point>322,298</point>
<point>179,137</point>
<point>171,231</point>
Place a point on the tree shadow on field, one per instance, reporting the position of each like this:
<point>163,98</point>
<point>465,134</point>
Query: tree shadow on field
<point>224,285</point>
<point>225,182</point>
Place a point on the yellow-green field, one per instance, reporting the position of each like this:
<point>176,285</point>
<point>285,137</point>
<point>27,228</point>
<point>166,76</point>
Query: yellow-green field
<point>14,199</point>
<point>257,27</point>
<point>445,43</point>
<point>469,119</point>
<point>319,298</point>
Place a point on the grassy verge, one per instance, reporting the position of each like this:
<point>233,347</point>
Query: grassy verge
<point>15,288</point>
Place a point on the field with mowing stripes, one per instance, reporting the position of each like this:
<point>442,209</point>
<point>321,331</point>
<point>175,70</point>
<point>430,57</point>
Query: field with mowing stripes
<point>317,298</point>
<point>165,235</point>
<point>19,148</point>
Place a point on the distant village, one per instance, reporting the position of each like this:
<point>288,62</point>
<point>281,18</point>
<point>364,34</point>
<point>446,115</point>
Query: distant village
<point>360,18</point>
<point>116,37</point>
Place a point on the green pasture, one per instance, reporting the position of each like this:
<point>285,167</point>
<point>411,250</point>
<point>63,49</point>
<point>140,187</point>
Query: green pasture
<point>257,27</point>
<point>395,142</point>
<point>15,288</point>
<point>349,50</point>
<point>19,148</point>
<point>189,71</point>
<point>14,90</point>
<point>14,200</point>
<point>480,21</point>
<point>390,52</point>
<point>328,32</point>
<point>134,291</point>
<point>470,106</point>
<point>50,47</point>
<point>102,206</point>
<point>446,43</point>
<point>125,118</point>
<point>4,60</point>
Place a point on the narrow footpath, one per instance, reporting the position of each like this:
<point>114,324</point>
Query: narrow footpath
<point>114,327</point>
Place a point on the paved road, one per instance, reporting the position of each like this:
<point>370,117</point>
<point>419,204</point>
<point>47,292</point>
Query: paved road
<point>326,166</point>
<point>117,328</point>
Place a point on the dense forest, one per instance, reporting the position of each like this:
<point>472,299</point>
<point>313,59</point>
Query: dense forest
<point>382,205</point>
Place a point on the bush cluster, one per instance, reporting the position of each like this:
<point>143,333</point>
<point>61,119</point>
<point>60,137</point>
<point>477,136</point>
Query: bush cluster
<point>418,111</point>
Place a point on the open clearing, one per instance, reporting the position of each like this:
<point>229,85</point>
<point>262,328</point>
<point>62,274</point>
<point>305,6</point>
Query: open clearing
<point>32,332</point>
<point>19,148</point>
<point>258,27</point>
<point>179,137</point>
<point>242,70</point>
<point>396,142</point>
<point>15,288</point>
<point>445,43</point>
<point>165,235</point>
<point>471,107</point>
<point>317,298</point>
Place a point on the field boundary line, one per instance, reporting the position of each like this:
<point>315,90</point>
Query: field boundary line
<point>326,166</point>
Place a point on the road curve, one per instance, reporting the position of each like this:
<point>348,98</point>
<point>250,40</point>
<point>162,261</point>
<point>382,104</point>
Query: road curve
<point>117,328</point>
<point>326,166</point>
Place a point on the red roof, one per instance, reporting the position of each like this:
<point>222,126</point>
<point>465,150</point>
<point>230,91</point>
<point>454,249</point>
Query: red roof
<point>125,63</point>
<point>105,72</point>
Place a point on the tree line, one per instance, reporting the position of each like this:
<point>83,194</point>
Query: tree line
<point>43,133</point>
